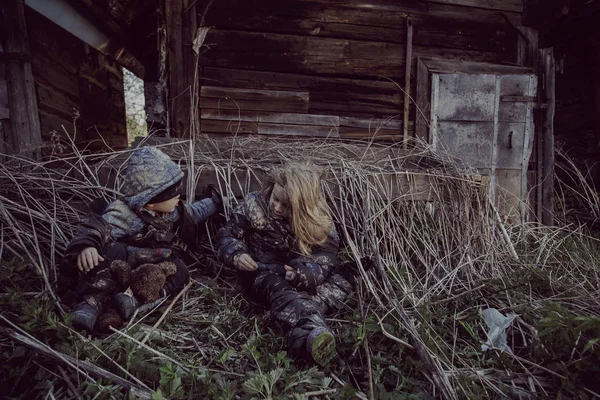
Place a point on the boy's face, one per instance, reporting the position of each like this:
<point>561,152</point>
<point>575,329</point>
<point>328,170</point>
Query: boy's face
<point>279,202</point>
<point>166,206</point>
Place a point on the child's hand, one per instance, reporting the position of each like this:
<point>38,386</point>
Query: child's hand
<point>290,273</point>
<point>244,262</point>
<point>88,259</point>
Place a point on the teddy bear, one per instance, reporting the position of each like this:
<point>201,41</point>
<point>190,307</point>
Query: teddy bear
<point>145,282</point>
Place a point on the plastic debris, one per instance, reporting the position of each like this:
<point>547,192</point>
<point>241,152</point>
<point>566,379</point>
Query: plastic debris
<point>497,325</point>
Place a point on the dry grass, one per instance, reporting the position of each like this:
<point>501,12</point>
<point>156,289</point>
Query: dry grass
<point>413,325</point>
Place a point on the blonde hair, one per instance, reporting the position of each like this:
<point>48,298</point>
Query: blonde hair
<point>310,217</point>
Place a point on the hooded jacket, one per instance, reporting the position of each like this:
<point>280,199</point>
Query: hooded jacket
<point>251,229</point>
<point>148,173</point>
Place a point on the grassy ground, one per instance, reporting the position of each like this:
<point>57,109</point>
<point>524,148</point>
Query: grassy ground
<point>413,328</point>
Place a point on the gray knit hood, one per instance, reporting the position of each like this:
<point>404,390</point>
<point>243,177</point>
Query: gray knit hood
<point>149,172</point>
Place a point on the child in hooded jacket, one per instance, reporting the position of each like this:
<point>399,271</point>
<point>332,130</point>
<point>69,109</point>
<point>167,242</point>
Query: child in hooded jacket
<point>148,226</point>
<point>284,243</point>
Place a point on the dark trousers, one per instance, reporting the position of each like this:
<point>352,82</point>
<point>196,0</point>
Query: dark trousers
<point>298,313</point>
<point>98,285</point>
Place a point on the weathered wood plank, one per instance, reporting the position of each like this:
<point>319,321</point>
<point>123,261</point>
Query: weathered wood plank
<point>286,81</point>
<point>25,123</point>
<point>438,25</point>
<point>354,109</point>
<point>301,119</point>
<point>51,99</point>
<point>416,6</point>
<point>470,67</point>
<point>229,126</point>
<point>52,73</point>
<point>304,18</point>
<point>228,103</point>
<point>280,118</point>
<point>498,5</point>
<point>254,99</point>
<point>327,95</point>
<point>298,130</point>
<point>372,123</point>
<point>463,34</point>
<point>312,55</point>
<point>54,43</point>
<point>50,122</point>
<point>229,115</point>
<point>367,134</point>
<point>300,54</point>
<point>255,94</point>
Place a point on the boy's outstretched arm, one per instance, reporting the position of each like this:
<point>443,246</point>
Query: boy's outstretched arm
<point>201,210</point>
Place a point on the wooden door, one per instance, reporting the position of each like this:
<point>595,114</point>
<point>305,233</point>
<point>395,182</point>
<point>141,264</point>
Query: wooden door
<point>486,121</point>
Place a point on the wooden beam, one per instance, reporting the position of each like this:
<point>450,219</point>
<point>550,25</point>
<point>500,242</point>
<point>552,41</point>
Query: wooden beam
<point>190,25</point>
<point>156,80</point>
<point>407,69</point>
<point>423,104</point>
<point>298,130</point>
<point>498,5</point>
<point>547,58</point>
<point>527,46</point>
<point>24,119</point>
<point>179,88</point>
<point>254,99</point>
<point>372,123</point>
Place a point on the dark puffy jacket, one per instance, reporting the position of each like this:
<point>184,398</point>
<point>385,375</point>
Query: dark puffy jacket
<point>150,237</point>
<point>269,240</point>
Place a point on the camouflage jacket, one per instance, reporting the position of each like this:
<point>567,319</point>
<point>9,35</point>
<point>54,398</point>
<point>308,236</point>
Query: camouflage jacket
<point>149,238</point>
<point>251,229</point>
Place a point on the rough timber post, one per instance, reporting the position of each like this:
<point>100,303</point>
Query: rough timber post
<point>179,88</point>
<point>25,132</point>
<point>155,81</point>
<point>547,58</point>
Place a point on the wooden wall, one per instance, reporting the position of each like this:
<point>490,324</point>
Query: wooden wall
<point>4,110</point>
<point>571,29</point>
<point>329,67</point>
<point>72,80</point>
<point>578,105</point>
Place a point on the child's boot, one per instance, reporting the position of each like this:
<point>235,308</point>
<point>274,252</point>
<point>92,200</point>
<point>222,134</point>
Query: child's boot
<point>86,314</point>
<point>127,303</point>
<point>320,344</point>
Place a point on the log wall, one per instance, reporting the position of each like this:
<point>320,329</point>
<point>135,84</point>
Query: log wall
<point>77,88</point>
<point>343,59</point>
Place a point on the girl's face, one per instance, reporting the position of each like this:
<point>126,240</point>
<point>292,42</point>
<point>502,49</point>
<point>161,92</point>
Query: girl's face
<point>166,206</point>
<point>279,203</point>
